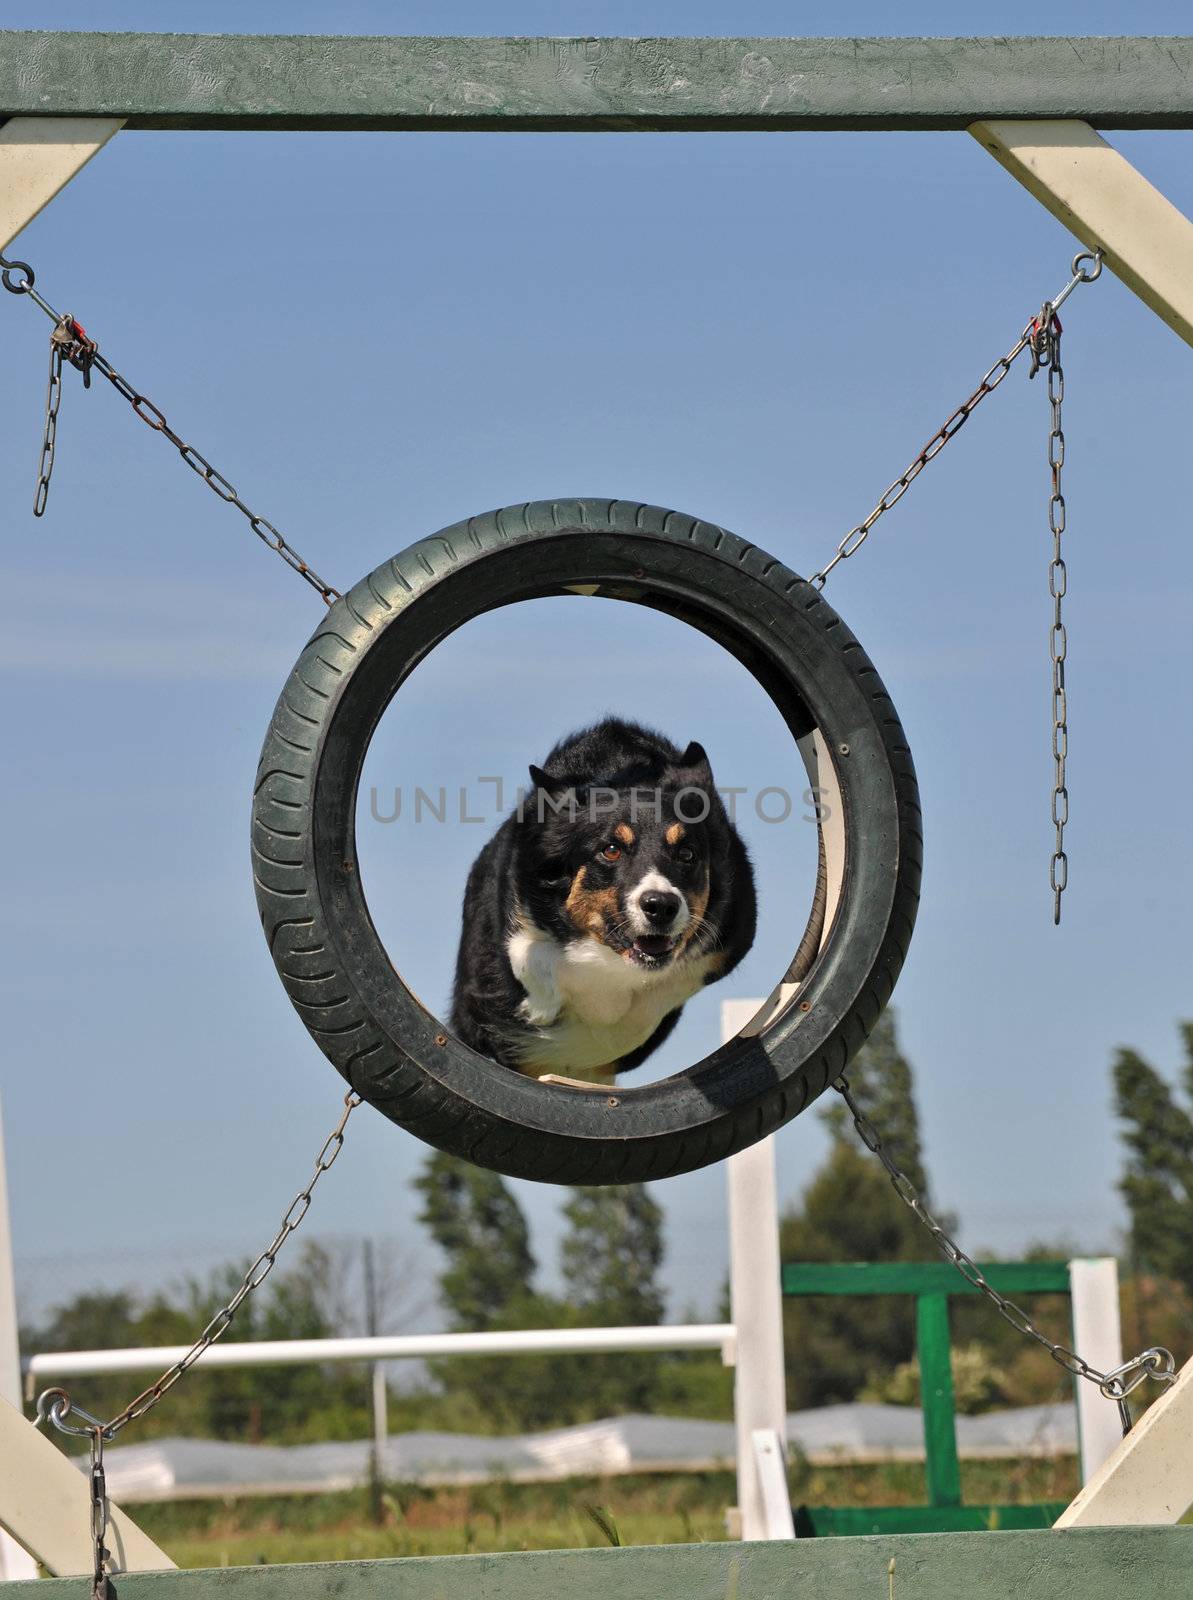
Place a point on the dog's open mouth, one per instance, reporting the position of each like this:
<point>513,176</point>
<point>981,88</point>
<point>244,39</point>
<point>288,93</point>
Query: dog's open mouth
<point>651,949</point>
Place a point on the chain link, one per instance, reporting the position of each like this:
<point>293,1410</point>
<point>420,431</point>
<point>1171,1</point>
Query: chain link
<point>1042,338</point>
<point>253,1279</point>
<point>102,1587</point>
<point>1046,354</point>
<point>70,344</point>
<point>1155,1362</point>
<point>857,535</point>
<point>45,464</point>
<point>55,1405</point>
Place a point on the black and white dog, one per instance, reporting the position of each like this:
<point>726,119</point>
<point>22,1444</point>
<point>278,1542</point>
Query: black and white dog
<point>616,891</point>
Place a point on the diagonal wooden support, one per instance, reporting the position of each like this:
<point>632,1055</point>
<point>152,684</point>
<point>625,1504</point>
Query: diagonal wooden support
<point>45,1504</point>
<point>1100,197</point>
<point>1149,1478</point>
<point>38,157</point>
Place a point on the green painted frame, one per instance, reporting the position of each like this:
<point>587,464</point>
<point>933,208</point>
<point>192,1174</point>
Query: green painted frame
<point>520,85</point>
<point>932,1283</point>
<point>1096,1564</point>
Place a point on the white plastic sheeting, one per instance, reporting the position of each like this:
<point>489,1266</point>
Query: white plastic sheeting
<point>166,1469</point>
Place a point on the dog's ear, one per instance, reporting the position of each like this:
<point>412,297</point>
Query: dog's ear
<point>549,785</point>
<point>695,760</point>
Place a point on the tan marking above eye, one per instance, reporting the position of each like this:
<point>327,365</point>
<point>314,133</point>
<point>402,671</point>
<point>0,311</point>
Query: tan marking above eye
<point>624,832</point>
<point>675,832</point>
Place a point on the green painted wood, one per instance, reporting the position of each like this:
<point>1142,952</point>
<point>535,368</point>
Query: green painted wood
<point>922,1277</point>
<point>1078,1564</point>
<point>937,1406</point>
<point>831,1521</point>
<point>524,84</point>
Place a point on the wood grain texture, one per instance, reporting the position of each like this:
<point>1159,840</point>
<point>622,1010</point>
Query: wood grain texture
<point>526,84</point>
<point>1096,1564</point>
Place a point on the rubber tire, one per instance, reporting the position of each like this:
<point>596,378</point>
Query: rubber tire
<point>399,1057</point>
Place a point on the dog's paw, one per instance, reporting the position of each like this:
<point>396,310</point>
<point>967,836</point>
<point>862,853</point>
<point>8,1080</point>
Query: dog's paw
<point>534,959</point>
<point>541,1007</point>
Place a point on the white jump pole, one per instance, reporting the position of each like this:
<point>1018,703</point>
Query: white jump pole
<point>760,1390</point>
<point>15,1562</point>
<point>1097,1333</point>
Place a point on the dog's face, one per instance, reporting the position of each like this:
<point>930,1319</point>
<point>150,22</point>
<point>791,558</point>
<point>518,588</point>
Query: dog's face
<point>626,867</point>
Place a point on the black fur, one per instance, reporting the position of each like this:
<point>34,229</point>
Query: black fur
<point>547,873</point>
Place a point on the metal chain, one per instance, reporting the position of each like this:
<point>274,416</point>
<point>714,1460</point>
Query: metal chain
<point>1155,1362</point>
<point>45,465</point>
<point>55,1405</point>
<point>857,535</point>
<point>69,343</point>
<point>1046,353</point>
<point>253,1279</point>
<point>1042,338</point>
<point>102,1587</point>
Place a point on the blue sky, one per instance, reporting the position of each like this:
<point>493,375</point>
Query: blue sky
<point>375,335</point>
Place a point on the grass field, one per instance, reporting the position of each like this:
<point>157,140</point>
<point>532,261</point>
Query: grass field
<point>641,1509</point>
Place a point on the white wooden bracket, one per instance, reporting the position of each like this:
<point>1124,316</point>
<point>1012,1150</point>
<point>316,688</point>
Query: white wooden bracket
<point>38,158</point>
<point>1149,1478</point>
<point>1107,204</point>
<point>770,1464</point>
<point>15,1562</point>
<point>45,1504</point>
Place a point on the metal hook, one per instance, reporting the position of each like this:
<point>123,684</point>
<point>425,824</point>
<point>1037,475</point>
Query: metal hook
<point>55,1405</point>
<point>17,266</point>
<point>1155,1362</point>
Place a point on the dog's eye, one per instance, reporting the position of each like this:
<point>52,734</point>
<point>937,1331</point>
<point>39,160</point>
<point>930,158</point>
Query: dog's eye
<point>611,852</point>
<point>685,853</point>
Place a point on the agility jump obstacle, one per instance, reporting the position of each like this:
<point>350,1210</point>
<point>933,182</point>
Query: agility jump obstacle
<point>1031,103</point>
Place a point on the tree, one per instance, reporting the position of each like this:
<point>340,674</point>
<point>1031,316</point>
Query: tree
<point>850,1212</point>
<point>612,1255</point>
<point>834,1344</point>
<point>287,1402</point>
<point>479,1227</point>
<point>1158,1182</point>
<point>487,1283</point>
<point>880,1079</point>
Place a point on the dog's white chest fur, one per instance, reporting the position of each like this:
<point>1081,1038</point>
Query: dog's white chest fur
<point>589,1005</point>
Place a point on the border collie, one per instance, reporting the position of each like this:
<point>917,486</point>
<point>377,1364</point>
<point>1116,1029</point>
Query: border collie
<point>615,892</point>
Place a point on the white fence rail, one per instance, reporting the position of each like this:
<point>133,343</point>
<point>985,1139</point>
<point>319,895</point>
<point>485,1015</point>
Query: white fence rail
<point>383,1347</point>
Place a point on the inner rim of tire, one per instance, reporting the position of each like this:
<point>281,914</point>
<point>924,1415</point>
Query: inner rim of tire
<point>614,567</point>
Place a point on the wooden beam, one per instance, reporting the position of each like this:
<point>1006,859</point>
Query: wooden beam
<point>38,157</point>
<point>1149,1478</point>
<point>45,1504</point>
<point>1097,1564</point>
<point>625,85</point>
<point>1107,204</point>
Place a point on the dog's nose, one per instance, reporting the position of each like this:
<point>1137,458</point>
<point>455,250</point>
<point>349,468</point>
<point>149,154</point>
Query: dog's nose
<point>659,908</point>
